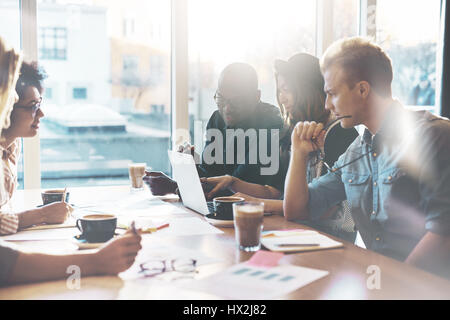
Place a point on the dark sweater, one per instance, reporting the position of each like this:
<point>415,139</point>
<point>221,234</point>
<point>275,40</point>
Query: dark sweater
<point>267,117</point>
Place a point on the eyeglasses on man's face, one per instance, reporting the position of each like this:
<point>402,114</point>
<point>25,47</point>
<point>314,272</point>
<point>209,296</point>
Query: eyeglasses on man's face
<point>32,107</point>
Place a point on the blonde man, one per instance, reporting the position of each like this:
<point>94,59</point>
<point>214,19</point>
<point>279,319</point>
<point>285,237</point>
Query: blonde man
<point>396,176</point>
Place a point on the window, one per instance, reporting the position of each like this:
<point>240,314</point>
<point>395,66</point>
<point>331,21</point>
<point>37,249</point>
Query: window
<point>10,22</point>
<point>345,19</point>
<point>92,130</point>
<point>124,51</point>
<point>53,43</point>
<point>252,31</point>
<point>157,109</point>
<point>130,64</point>
<point>157,69</point>
<point>130,75</point>
<point>128,27</point>
<point>48,93</point>
<point>80,93</point>
<point>411,40</point>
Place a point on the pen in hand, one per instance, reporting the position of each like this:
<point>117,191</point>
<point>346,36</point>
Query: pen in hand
<point>133,227</point>
<point>64,195</point>
<point>63,200</point>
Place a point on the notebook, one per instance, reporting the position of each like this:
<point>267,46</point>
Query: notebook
<point>297,240</point>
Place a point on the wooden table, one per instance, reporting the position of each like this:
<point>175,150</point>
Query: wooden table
<point>347,266</point>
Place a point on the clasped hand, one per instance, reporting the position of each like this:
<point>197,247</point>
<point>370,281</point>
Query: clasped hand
<point>307,137</point>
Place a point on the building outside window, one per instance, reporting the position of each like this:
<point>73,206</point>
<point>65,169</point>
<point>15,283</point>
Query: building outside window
<point>53,43</point>
<point>157,67</point>
<point>411,41</point>
<point>90,133</point>
<point>48,93</point>
<point>345,18</point>
<point>128,27</point>
<point>130,64</point>
<point>79,93</point>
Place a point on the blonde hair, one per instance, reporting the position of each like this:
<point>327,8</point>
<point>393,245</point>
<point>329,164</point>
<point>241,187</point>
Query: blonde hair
<point>10,63</point>
<point>361,60</point>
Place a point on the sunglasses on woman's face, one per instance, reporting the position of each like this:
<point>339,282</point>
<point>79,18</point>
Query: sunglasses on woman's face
<point>34,107</point>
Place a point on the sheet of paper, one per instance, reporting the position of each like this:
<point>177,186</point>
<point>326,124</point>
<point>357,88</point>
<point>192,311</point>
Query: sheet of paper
<point>247,282</point>
<point>116,197</point>
<point>154,249</point>
<point>186,227</point>
<point>287,233</point>
<point>141,208</point>
<point>47,234</point>
<point>69,223</point>
<point>117,200</point>
<point>159,290</point>
<point>152,209</point>
<point>296,243</point>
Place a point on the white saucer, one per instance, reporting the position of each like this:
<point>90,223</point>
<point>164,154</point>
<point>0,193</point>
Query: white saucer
<point>83,244</point>
<point>219,222</point>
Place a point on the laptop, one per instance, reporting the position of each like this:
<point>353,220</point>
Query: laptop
<point>186,175</point>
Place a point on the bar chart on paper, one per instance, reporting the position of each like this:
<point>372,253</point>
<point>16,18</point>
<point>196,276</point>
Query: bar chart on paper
<point>244,281</point>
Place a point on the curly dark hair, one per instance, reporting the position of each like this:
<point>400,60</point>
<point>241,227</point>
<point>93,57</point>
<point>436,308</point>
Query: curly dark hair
<point>31,75</point>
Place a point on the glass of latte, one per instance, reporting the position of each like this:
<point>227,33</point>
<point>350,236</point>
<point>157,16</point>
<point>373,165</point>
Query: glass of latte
<point>248,223</point>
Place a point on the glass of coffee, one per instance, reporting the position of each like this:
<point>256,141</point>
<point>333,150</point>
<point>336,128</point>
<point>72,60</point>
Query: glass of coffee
<point>136,172</point>
<point>56,195</point>
<point>248,223</point>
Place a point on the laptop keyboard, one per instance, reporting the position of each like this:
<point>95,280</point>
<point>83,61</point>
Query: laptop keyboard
<point>210,206</point>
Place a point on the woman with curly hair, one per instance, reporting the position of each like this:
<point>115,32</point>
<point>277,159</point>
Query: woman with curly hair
<point>17,265</point>
<point>24,122</point>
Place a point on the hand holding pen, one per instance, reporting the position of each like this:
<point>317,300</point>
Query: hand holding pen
<point>133,228</point>
<point>310,136</point>
<point>68,206</point>
<point>147,230</point>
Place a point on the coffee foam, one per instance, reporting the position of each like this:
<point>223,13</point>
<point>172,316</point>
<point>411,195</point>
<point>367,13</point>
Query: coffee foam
<point>53,191</point>
<point>137,165</point>
<point>136,172</point>
<point>229,199</point>
<point>98,217</point>
<point>249,210</point>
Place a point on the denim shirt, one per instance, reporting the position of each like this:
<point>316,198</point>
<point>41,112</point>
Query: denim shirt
<point>400,189</point>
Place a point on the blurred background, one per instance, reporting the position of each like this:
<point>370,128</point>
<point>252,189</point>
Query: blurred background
<point>108,95</point>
